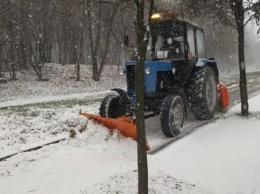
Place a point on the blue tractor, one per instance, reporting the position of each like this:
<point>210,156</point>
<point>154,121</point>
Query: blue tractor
<point>179,79</point>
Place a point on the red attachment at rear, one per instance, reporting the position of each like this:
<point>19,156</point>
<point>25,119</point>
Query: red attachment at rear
<point>124,124</point>
<point>223,96</point>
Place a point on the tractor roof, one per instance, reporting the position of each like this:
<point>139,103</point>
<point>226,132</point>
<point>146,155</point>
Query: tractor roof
<point>171,16</point>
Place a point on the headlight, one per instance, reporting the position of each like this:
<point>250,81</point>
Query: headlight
<point>122,72</point>
<point>148,70</point>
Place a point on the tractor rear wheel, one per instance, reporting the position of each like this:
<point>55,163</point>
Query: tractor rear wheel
<point>203,94</point>
<point>111,107</point>
<point>172,115</point>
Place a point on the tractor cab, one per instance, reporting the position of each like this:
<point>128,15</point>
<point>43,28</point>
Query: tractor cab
<point>173,39</point>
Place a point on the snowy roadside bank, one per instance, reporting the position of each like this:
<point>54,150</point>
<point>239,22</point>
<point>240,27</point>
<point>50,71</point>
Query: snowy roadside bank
<point>77,96</point>
<point>60,85</point>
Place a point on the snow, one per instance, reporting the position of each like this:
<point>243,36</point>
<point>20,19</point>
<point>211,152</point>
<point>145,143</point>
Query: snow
<point>35,100</point>
<point>221,157</point>
<point>62,83</point>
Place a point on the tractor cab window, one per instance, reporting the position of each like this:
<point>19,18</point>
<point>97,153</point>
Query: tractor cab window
<point>200,44</point>
<point>191,42</point>
<point>166,45</point>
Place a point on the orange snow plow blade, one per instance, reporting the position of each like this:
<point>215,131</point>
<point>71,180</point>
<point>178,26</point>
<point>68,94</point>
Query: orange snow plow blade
<point>124,124</point>
<point>223,96</point>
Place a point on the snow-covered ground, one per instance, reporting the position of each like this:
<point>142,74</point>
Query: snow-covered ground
<point>26,125</point>
<point>61,83</point>
<point>222,157</point>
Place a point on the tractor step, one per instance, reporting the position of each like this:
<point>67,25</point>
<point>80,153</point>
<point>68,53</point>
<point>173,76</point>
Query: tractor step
<point>146,115</point>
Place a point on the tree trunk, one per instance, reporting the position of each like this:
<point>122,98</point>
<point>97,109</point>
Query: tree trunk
<point>239,16</point>
<point>24,63</point>
<point>242,68</point>
<point>77,70</point>
<point>140,123</point>
<point>79,49</point>
<point>93,47</point>
<point>95,74</point>
<point>94,62</point>
<point>77,59</point>
<point>37,70</point>
<point>13,68</point>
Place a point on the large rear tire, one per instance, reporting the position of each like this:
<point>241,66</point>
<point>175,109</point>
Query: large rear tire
<point>172,115</point>
<point>111,107</point>
<point>203,94</point>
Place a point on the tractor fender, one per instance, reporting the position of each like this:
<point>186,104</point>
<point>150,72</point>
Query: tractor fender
<point>202,63</point>
<point>179,91</point>
<point>123,95</point>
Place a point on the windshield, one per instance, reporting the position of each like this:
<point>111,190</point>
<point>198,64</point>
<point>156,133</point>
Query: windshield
<point>166,44</point>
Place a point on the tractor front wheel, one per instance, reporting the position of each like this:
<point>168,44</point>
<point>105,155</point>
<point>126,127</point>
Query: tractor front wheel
<point>172,115</point>
<point>111,107</point>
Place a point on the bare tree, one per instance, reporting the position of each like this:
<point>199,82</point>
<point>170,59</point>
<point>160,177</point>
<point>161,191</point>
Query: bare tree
<point>140,123</point>
<point>9,38</point>
<point>74,24</point>
<point>39,33</point>
<point>101,16</point>
<point>63,25</point>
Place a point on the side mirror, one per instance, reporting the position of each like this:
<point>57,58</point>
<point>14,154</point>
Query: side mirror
<point>126,40</point>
